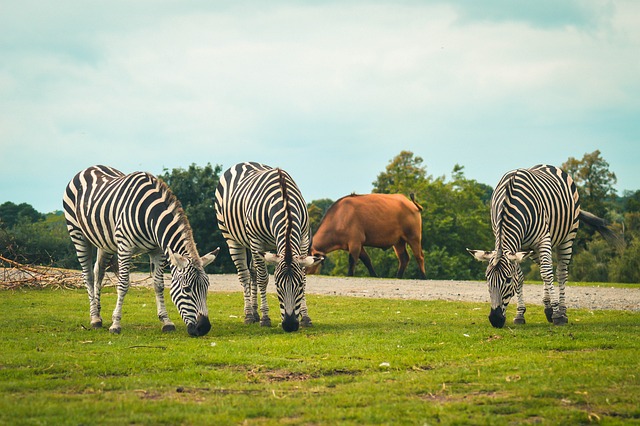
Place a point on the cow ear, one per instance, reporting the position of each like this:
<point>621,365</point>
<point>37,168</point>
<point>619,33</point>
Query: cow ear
<point>178,260</point>
<point>307,261</point>
<point>482,255</point>
<point>209,257</point>
<point>519,256</point>
<point>270,257</point>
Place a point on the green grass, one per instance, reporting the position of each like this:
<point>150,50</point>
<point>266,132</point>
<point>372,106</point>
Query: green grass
<point>365,361</point>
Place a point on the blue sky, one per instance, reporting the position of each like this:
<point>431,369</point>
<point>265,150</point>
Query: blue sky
<point>330,91</point>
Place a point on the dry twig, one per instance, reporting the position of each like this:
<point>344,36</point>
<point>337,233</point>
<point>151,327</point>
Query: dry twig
<point>17,275</point>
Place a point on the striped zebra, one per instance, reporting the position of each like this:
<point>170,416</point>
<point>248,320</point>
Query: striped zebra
<point>533,212</point>
<point>131,214</point>
<point>260,208</point>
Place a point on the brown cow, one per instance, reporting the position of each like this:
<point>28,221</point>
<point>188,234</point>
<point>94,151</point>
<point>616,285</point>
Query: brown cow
<point>372,220</point>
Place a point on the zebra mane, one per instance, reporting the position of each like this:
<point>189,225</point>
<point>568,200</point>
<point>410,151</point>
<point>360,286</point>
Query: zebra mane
<point>175,206</point>
<point>508,190</point>
<point>288,253</point>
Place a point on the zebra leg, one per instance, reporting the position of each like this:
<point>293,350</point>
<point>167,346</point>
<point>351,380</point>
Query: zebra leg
<point>240,256</point>
<point>261,281</point>
<point>85,252</point>
<point>305,321</point>
<point>546,273</point>
<point>560,316</point>
<point>519,318</point>
<point>102,261</point>
<point>124,264</point>
<point>157,261</point>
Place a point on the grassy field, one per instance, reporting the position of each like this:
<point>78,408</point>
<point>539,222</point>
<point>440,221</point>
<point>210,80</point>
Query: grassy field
<point>365,361</point>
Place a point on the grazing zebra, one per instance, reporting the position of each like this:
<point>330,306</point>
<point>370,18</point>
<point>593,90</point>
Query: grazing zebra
<point>260,208</point>
<point>533,211</point>
<point>131,214</point>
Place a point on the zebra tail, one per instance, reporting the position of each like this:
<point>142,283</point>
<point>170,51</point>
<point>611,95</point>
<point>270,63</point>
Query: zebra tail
<point>600,225</point>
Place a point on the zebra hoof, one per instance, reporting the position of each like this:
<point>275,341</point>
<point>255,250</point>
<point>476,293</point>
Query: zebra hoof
<point>249,319</point>
<point>265,322</point>
<point>562,320</point>
<point>168,328</point>
<point>549,314</point>
<point>96,324</point>
<point>306,322</point>
<point>519,320</point>
<point>114,330</point>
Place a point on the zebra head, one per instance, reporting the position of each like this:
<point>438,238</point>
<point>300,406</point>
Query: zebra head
<point>290,285</point>
<point>501,279</point>
<point>189,287</point>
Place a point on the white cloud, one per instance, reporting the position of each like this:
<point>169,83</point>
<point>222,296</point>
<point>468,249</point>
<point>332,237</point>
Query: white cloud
<point>348,84</point>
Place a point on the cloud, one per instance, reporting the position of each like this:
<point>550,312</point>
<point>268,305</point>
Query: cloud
<point>330,90</point>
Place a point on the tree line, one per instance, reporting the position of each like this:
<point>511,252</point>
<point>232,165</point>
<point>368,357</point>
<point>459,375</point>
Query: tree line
<point>456,215</point>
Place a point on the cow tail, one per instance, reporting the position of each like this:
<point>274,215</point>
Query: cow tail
<point>413,198</point>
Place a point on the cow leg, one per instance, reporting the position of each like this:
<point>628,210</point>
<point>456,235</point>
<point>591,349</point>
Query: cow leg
<point>403,257</point>
<point>416,248</point>
<point>354,255</point>
<point>366,260</point>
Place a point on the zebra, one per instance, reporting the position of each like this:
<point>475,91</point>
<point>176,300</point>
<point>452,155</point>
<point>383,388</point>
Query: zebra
<point>109,213</point>
<point>260,208</point>
<point>533,212</point>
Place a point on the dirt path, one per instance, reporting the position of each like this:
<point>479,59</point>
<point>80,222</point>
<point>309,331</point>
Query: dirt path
<point>469,291</point>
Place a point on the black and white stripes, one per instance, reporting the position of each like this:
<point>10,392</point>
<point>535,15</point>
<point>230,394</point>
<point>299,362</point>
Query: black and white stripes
<point>533,211</point>
<point>260,208</point>
<point>131,214</point>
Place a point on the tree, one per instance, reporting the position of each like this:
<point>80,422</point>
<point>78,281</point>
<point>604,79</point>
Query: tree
<point>403,175</point>
<point>317,210</point>
<point>594,182</point>
<point>195,188</point>
<point>11,214</point>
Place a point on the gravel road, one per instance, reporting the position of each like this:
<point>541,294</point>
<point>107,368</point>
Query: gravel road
<point>469,291</point>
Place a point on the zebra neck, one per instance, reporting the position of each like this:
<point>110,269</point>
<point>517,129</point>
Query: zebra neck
<point>173,234</point>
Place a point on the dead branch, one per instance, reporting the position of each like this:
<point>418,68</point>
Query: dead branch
<point>17,275</point>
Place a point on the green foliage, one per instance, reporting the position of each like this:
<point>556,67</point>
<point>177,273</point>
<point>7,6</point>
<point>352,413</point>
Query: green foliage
<point>11,214</point>
<point>195,188</point>
<point>594,180</point>
<point>43,242</point>
<point>365,361</point>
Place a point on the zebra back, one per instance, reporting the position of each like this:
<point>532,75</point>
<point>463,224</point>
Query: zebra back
<point>137,211</point>
<point>262,208</point>
<point>529,203</point>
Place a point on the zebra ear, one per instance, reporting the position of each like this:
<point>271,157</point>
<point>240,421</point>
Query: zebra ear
<point>307,261</point>
<point>270,257</point>
<point>209,257</point>
<point>481,255</point>
<point>178,260</point>
<point>519,256</point>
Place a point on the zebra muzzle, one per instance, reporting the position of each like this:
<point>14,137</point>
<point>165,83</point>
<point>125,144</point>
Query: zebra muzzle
<point>290,323</point>
<point>201,327</point>
<point>497,318</point>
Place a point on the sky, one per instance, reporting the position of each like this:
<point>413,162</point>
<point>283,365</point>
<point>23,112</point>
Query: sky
<point>330,91</point>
